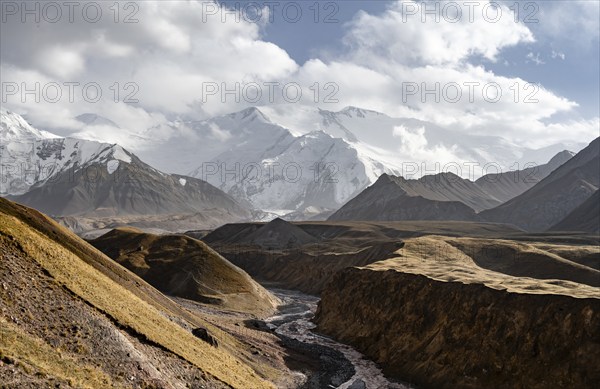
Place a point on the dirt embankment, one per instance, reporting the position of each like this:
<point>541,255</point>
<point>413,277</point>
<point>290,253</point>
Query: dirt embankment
<point>446,322</point>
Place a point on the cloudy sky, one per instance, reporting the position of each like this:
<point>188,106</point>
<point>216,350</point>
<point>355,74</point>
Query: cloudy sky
<point>527,71</point>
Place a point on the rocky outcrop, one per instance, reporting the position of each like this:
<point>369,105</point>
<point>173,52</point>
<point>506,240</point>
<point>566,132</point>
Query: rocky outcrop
<point>202,333</point>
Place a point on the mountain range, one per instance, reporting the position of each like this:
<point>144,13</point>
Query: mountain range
<point>293,160</point>
<point>443,196</point>
<point>297,162</point>
<point>583,218</point>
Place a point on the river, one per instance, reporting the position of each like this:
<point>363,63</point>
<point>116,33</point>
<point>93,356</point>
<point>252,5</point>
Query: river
<point>294,321</point>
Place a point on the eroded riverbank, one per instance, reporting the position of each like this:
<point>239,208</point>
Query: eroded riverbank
<point>340,366</point>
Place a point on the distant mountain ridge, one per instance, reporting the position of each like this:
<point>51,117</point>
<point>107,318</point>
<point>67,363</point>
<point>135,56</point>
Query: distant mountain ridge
<point>443,196</point>
<point>585,218</point>
<point>300,162</point>
<point>505,186</point>
<point>394,198</point>
<point>553,198</point>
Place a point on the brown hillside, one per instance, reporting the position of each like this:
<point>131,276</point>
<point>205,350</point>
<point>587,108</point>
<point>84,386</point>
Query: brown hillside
<point>181,266</point>
<point>72,317</point>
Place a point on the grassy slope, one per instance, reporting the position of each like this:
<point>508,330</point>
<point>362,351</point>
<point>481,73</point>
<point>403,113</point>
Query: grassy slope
<point>43,358</point>
<point>121,295</point>
<point>498,264</point>
<point>185,267</point>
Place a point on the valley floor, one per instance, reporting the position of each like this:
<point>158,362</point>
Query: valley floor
<point>286,341</point>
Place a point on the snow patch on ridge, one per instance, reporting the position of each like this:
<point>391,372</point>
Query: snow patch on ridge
<point>112,166</point>
<point>121,154</point>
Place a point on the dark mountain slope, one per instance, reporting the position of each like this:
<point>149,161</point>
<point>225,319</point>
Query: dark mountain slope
<point>553,198</point>
<point>585,218</point>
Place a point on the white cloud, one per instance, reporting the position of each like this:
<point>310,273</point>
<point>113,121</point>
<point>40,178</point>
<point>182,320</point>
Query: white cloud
<point>219,133</point>
<point>61,62</point>
<point>175,49</point>
<point>168,54</point>
<point>391,52</point>
<point>414,142</point>
<point>401,36</point>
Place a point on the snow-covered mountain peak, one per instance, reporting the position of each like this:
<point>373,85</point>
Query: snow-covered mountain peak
<point>14,128</point>
<point>249,115</point>
<point>30,156</point>
<point>121,154</point>
<point>93,152</point>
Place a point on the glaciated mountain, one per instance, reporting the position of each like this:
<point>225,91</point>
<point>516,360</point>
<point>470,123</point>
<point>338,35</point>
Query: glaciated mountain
<point>117,183</point>
<point>276,170</point>
<point>338,154</point>
<point>30,156</point>
<point>87,179</point>
<point>414,146</point>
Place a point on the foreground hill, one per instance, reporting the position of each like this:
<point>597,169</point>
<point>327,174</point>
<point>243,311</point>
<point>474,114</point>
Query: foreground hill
<point>461,312</point>
<point>182,266</point>
<point>72,317</point>
<point>553,198</point>
<point>585,217</point>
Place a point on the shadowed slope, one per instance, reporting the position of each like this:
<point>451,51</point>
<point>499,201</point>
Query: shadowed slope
<point>553,198</point>
<point>394,198</point>
<point>585,217</point>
